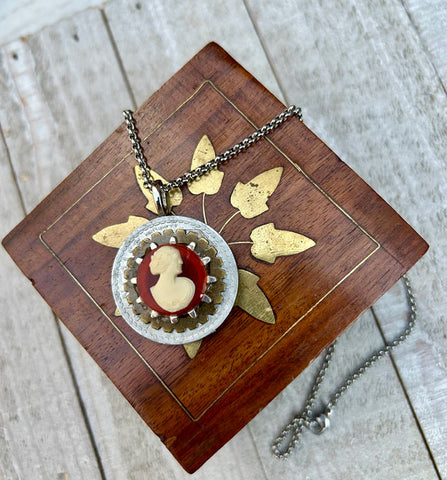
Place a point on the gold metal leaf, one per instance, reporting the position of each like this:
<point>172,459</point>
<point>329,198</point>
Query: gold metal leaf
<point>211,182</point>
<point>117,313</point>
<point>252,299</point>
<point>269,243</point>
<point>251,197</point>
<point>115,235</point>
<point>174,196</point>
<point>192,348</point>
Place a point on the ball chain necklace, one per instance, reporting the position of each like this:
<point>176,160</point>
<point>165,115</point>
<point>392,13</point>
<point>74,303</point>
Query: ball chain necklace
<point>192,306</point>
<point>319,423</point>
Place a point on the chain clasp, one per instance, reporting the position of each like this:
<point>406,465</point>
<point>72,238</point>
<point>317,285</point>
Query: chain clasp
<point>320,424</point>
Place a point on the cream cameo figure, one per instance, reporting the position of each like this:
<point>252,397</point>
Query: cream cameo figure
<point>171,292</point>
<point>171,280</point>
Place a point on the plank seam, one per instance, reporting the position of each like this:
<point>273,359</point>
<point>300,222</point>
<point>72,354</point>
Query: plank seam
<point>118,58</point>
<point>13,172</point>
<point>413,412</point>
<point>64,348</point>
<point>252,437</point>
<point>80,399</point>
<point>255,28</point>
<point>424,46</point>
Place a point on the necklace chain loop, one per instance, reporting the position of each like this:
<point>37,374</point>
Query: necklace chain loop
<point>290,436</point>
<point>201,170</point>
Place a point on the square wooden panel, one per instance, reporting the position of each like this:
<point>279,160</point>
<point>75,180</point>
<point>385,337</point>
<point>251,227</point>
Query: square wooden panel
<point>361,248</point>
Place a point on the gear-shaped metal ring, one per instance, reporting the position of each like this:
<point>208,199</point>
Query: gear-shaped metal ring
<point>214,290</point>
<point>226,287</point>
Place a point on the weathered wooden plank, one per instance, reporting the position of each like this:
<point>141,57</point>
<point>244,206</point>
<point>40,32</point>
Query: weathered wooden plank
<point>69,104</point>
<point>373,433</point>
<point>430,20</point>
<point>43,431</point>
<point>22,17</point>
<point>105,406</point>
<point>366,82</point>
<point>421,362</point>
<point>158,30</point>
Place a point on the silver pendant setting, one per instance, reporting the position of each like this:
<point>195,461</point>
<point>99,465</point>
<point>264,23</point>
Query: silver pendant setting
<point>144,233</point>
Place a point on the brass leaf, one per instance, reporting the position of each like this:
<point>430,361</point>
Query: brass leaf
<point>192,348</point>
<point>269,243</point>
<point>115,235</point>
<point>117,313</point>
<point>174,196</point>
<point>251,197</point>
<point>211,182</point>
<point>252,299</point>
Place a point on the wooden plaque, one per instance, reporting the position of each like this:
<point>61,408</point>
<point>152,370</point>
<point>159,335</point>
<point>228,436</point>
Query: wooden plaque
<point>303,300</point>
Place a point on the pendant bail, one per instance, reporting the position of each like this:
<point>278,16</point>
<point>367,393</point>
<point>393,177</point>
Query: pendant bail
<point>160,199</point>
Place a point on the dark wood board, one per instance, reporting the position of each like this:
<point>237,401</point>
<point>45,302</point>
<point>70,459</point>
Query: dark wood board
<point>362,248</point>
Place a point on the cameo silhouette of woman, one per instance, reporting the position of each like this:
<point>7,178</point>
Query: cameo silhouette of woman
<point>171,292</point>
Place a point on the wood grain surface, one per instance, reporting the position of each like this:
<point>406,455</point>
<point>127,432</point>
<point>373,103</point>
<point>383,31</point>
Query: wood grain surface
<point>358,238</point>
<point>122,442</point>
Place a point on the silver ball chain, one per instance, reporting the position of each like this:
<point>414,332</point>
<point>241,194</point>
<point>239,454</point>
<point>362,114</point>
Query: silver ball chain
<point>201,170</point>
<point>291,435</point>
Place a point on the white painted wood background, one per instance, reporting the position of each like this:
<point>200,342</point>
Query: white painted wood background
<point>371,77</point>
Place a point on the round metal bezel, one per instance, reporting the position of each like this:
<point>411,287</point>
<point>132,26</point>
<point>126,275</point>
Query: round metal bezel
<point>231,279</point>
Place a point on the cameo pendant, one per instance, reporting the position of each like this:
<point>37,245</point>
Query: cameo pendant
<point>174,280</point>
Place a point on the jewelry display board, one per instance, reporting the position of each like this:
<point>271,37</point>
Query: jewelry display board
<point>314,245</point>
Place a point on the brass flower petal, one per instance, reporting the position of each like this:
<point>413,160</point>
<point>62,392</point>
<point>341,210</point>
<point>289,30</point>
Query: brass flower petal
<point>269,243</point>
<point>192,348</point>
<point>252,299</point>
<point>174,196</point>
<point>115,235</point>
<point>211,182</point>
<point>251,197</point>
